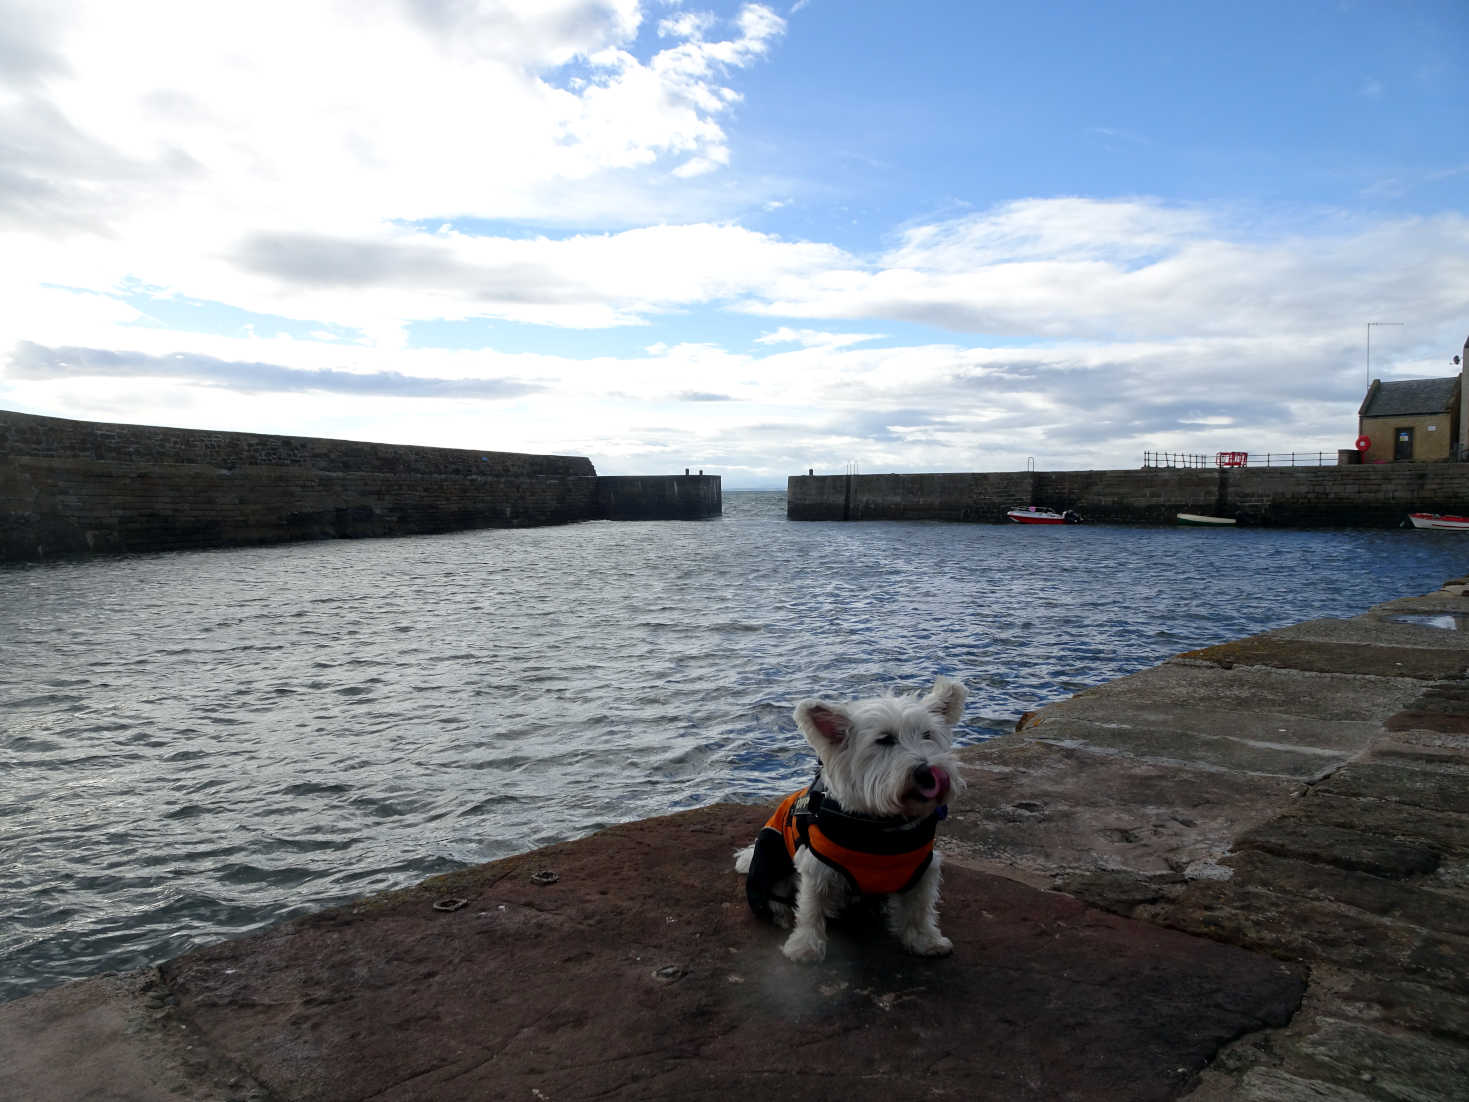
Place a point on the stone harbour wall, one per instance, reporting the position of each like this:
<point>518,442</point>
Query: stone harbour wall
<point>959,497</point>
<point>1377,495</point>
<point>77,487</point>
<point>679,497</point>
<point>59,438</point>
<point>1374,495</point>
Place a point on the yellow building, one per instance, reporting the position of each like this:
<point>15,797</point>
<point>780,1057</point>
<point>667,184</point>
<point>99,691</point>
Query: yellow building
<point>1410,420</point>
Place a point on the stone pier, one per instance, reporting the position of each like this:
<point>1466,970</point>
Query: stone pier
<point>89,488</point>
<point>1379,495</point>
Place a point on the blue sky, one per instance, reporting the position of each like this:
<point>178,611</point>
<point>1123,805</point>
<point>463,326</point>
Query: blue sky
<point>748,238</point>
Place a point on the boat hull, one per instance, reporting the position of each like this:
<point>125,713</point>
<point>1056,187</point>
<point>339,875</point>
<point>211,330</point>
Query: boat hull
<point>1199,520</point>
<point>1042,516</point>
<point>1441,521</point>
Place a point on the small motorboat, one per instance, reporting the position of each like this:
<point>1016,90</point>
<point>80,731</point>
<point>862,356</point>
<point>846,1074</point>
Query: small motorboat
<point>1200,520</point>
<point>1029,514</point>
<point>1439,520</point>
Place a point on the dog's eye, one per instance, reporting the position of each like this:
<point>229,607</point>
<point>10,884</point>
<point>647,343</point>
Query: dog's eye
<point>888,740</point>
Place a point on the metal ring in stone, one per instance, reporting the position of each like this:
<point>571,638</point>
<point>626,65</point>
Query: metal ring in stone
<point>450,904</point>
<point>545,876</point>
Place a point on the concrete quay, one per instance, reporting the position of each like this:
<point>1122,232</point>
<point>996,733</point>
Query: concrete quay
<point>1242,874</point>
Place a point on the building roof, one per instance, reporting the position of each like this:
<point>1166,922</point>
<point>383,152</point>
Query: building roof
<point>1407,397</point>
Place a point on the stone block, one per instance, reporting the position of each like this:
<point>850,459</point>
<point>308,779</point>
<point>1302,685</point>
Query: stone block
<point>1353,850</point>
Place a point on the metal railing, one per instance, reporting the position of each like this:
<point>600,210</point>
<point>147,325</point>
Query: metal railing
<point>1295,459</point>
<point>1250,459</point>
<point>1176,459</point>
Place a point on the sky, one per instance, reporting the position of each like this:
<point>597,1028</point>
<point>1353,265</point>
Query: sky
<point>752,239</point>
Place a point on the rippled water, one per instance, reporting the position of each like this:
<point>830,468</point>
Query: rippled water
<point>194,745</point>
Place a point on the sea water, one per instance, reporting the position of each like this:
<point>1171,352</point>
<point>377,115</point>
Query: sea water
<point>194,745</point>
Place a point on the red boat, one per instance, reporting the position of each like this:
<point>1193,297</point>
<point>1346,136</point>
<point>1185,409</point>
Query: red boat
<point>1439,520</point>
<point>1031,515</point>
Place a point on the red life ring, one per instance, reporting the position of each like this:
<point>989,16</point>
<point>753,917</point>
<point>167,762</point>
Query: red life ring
<point>1363,443</point>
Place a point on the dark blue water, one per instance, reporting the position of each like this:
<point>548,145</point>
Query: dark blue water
<point>194,745</point>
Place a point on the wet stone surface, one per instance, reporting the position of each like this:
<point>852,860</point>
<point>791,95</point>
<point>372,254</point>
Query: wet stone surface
<point>642,974</point>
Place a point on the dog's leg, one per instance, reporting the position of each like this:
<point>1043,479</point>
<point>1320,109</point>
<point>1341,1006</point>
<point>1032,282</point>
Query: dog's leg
<point>814,885</point>
<point>914,915</point>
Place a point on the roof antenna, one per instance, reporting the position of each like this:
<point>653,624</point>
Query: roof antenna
<point>1370,324</point>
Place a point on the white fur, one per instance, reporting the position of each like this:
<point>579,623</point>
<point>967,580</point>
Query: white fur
<point>870,751</point>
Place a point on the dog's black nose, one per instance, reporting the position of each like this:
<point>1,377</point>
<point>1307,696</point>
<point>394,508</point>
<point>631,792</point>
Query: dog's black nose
<point>930,783</point>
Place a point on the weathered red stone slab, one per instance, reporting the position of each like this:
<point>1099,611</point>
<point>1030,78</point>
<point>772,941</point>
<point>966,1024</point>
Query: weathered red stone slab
<point>640,974</point>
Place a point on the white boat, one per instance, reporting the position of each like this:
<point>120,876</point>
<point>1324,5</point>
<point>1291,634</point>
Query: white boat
<point>1439,520</point>
<point>1029,514</point>
<point>1202,521</point>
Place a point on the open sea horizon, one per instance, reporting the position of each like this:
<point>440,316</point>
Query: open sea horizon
<point>195,745</point>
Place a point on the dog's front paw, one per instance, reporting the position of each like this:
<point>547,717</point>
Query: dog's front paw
<point>927,943</point>
<point>805,946</point>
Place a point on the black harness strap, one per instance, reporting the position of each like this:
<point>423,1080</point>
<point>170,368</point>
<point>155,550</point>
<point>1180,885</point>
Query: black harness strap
<point>770,866</point>
<point>878,835</point>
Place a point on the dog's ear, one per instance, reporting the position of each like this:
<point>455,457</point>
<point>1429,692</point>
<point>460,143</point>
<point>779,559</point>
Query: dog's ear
<point>825,725</point>
<point>946,700</point>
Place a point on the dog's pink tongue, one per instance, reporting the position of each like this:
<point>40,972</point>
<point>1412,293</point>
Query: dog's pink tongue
<point>938,787</point>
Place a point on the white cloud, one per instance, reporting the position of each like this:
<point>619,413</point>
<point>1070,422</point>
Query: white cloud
<point>1235,343</point>
<point>687,24</point>
<point>583,281</point>
<point>355,166</point>
<point>701,166</point>
<point>250,136</point>
<point>338,116</point>
<point>815,338</point>
<point>535,35</point>
<point>1121,231</point>
<point>1085,268</point>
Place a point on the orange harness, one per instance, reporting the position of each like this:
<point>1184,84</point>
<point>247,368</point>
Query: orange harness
<point>877,856</point>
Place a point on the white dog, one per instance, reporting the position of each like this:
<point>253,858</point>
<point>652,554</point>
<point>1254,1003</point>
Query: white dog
<point>865,825</point>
